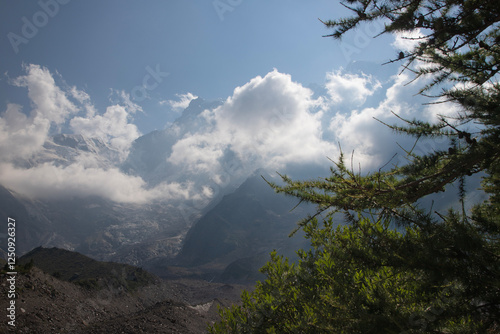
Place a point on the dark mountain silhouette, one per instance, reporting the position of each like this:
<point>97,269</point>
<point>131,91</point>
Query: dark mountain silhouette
<point>233,240</point>
<point>29,229</point>
<point>82,270</point>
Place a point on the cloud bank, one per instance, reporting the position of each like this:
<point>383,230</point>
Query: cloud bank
<point>50,181</point>
<point>273,122</point>
<point>23,135</point>
<point>270,122</point>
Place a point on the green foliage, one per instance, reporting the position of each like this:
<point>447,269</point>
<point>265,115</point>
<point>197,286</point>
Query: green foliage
<point>369,278</point>
<point>458,42</point>
<point>395,267</point>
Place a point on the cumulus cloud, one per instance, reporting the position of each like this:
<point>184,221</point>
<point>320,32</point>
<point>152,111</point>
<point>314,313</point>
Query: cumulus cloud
<point>407,41</point>
<point>182,103</point>
<point>351,89</point>
<point>372,142</point>
<point>23,135</point>
<point>272,122</point>
<point>268,122</point>
<point>50,181</point>
<point>51,103</point>
<point>113,126</point>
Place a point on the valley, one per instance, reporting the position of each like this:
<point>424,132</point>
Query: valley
<point>162,265</point>
<point>56,303</point>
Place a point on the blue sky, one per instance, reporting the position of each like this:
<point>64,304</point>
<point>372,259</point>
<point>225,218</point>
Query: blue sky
<point>208,48</point>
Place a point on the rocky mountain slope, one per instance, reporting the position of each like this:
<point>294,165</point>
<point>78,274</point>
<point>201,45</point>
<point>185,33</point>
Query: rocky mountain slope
<point>101,228</point>
<point>234,230</point>
<point>97,227</point>
<point>84,271</point>
<point>47,304</point>
<point>234,239</point>
<point>149,153</point>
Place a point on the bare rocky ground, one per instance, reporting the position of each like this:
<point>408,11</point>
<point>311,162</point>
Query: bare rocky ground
<point>45,304</point>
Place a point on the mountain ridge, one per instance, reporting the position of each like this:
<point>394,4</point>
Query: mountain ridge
<point>244,227</point>
<point>153,232</point>
<point>80,269</point>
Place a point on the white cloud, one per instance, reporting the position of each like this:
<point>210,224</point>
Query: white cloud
<point>49,100</point>
<point>406,41</point>
<point>23,135</point>
<point>373,143</point>
<point>49,181</point>
<point>182,103</point>
<point>272,122</point>
<point>52,106</point>
<point>350,89</point>
<point>113,127</point>
<point>269,122</point>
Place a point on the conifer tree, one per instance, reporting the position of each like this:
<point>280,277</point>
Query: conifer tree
<point>396,267</point>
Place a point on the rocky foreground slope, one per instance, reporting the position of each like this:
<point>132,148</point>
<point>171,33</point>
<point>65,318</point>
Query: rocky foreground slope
<point>46,304</point>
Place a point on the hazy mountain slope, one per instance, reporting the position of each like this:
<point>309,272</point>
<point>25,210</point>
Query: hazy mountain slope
<point>30,229</point>
<point>148,154</point>
<point>64,149</point>
<point>243,227</point>
<point>149,233</point>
